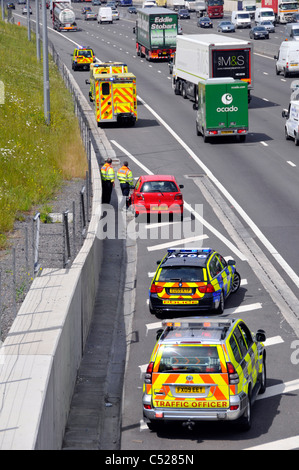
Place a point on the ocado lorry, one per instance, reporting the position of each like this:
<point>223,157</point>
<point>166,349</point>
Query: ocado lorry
<point>203,56</point>
<point>222,108</point>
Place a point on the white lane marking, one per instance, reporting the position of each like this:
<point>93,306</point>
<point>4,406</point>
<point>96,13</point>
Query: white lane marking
<point>282,444</point>
<point>291,163</point>
<point>218,234</point>
<point>184,241</point>
<point>242,309</point>
<point>186,206</point>
<point>272,250</point>
<point>273,340</point>
<point>279,389</point>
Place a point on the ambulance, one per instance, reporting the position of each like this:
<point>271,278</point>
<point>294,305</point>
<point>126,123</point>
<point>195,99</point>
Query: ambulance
<point>114,97</point>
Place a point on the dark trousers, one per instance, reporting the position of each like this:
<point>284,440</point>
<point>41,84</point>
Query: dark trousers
<point>107,187</point>
<point>125,190</point>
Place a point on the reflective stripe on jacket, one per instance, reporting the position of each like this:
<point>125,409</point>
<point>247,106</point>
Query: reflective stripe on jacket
<point>107,172</point>
<point>125,175</point>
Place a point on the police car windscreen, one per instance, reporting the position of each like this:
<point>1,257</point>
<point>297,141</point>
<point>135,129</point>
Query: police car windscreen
<point>231,63</point>
<point>181,273</point>
<point>186,359</point>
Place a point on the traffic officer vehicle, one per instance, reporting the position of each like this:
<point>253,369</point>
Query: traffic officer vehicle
<point>204,369</point>
<point>192,280</point>
<point>82,58</point>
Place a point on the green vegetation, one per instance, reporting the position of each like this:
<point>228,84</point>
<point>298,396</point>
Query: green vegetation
<point>35,158</point>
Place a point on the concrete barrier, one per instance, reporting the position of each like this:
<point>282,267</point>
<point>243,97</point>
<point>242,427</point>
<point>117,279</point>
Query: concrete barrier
<point>42,352</point>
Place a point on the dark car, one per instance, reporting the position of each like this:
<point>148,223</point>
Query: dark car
<point>295,18</point>
<point>10,6</point>
<point>132,10</point>
<point>192,280</point>
<point>204,22</point>
<point>85,9</point>
<point>259,32</point>
<point>226,27</point>
<point>183,14</point>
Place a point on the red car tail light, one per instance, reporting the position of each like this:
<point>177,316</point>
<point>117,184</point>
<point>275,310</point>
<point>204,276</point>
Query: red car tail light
<point>148,374</point>
<point>206,289</point>
<point>156,289</point>
<point>178,197</point>
<point>232,374</point>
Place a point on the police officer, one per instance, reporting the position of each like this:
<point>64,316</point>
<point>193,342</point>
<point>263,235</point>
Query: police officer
<point>108,176</point>
<point>125,178</point>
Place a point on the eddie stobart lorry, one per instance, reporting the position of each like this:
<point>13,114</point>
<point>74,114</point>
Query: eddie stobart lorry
<point>203,56</point>
<point>156,33</point>
<point>222,108</point>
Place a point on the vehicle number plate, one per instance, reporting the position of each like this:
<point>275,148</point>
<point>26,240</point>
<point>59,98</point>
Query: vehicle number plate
<point>226,132</point>
<point>180,290</point>
<point>180,389</point>
<point>294,65</point>
<point>160,208</point>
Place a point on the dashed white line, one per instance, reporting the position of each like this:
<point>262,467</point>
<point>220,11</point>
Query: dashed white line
<point>291,163</point>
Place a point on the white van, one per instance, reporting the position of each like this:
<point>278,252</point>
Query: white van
<point>291,128</point>
<point>292,31</point>
<point>105,15</point>
<point>262,14</point>
<point>241,19</point>
<point>287,60</point>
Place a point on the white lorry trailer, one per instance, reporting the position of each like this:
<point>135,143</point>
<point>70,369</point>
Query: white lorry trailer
<point>203,56</point>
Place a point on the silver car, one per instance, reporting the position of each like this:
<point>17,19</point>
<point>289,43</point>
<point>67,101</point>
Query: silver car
<point>268,25</point>
<point>226,27</point>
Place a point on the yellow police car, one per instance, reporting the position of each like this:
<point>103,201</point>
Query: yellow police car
<point>204,369</point>
<point>192,280</point>
<point>82,58</point>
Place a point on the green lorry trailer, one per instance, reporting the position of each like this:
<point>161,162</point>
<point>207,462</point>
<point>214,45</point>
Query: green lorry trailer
<point>222,108</point>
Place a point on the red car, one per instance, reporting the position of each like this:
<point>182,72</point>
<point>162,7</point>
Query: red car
<point>157,194</point>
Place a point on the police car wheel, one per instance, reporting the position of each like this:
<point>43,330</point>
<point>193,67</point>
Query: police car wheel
<point>245,420</point>
<point>236,282</point>
<point>263,378</point>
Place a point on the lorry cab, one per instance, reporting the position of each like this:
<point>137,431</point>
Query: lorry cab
<point>241,19</point>
<point>262,14</point>
<point>292,122</point>
<point>287,60</point>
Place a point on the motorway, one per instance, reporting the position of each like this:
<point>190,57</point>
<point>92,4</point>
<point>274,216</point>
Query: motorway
<point>245,201</point>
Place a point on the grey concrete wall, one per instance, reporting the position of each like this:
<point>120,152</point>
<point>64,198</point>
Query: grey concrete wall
<point>42,352</point>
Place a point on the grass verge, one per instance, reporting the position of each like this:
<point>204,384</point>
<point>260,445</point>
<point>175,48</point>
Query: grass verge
<point>35,158</point>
